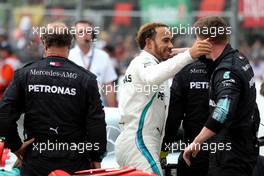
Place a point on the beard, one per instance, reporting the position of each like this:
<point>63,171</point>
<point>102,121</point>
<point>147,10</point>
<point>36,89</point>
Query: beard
<point>158,53</point>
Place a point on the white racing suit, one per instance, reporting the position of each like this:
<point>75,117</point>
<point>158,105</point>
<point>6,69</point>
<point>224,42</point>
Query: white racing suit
<point>144,100</point>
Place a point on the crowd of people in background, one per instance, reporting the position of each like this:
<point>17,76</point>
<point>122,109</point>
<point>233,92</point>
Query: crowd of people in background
<point>23,46</point>
<point>109,55</point>
<point>255,52</point>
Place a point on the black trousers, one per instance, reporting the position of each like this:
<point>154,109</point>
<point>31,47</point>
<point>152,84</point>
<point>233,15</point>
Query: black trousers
<point>199,165</point>
<point>41,164</point>
<point>239,160</point>
<point>259,169</point>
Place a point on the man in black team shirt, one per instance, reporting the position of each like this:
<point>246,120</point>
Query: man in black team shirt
<point>189,105</point>
<point>233,108</point>
<point>63,111</point>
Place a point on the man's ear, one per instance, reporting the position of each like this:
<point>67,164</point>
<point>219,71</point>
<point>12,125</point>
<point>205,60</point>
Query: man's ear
<point>149,43</point>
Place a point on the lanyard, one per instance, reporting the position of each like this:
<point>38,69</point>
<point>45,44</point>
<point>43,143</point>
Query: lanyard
<point>90,60</point>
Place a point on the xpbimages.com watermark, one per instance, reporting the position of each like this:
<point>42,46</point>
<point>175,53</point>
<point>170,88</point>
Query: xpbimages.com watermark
<point>192,30</point>
<point>174,30</point>
<point>82,31</point>
<point>146,89</point>
<point>210,147</point>
<point>80,147</point>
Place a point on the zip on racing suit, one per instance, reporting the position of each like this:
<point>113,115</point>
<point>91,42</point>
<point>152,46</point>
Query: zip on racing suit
<point>62,105</point>
<point>144,100</point>
<point>189,98</point>
<point>233,116</point>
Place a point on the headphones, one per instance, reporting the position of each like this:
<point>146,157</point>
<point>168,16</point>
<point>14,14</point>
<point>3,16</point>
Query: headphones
<point>94,35</point>
<point>93,32</point>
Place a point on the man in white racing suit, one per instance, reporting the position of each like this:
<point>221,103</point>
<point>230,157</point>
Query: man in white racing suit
<point>144,96</point>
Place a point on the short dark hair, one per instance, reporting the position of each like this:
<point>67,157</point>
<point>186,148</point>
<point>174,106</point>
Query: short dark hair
<point>59,37</point>
<point>147,31</point>
<point>213,23</point>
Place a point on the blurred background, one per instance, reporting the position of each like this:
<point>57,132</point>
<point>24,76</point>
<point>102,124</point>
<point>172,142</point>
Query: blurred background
<point>118,21</point>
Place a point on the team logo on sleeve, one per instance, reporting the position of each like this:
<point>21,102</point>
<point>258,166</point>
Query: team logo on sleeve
<point>228,82</point>
<point>226,75</point>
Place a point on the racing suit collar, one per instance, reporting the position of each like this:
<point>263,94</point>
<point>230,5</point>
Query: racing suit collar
<point>55,57</point>
<point>212,65</point>
<point>147,54</point>
<point>56,61</point>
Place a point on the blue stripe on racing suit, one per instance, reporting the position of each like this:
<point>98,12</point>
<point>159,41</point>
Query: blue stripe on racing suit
<point>139,139</point>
